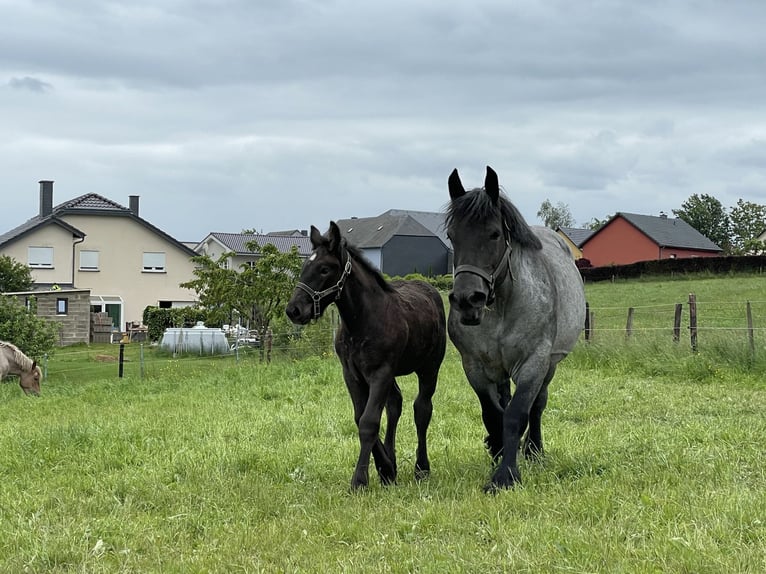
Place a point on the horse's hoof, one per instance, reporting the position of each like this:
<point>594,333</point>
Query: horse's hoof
<point>358,486</point>
<point>503,480</point>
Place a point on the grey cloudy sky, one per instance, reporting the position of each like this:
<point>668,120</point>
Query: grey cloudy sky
<point>276,114</point>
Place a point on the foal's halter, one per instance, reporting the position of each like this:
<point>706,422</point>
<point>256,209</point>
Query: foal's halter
<point>317,296</point>
<point>498,272</point>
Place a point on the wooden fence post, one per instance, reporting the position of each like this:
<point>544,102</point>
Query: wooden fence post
<point>587,321</point>
<point>629,324</point>
<point>693,321</point>
<point>677,323</point>
<point>750,334</point>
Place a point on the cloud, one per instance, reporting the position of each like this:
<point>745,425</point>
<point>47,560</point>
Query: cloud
<point>30,84</point>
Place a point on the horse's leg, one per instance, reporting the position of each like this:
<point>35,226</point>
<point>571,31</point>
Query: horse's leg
<point>491,397</point>
<point>387,466</point>
<point>359,392</point>
<point>529,381</point>
<point>533,444</point>
<point>423,408</point>
<point>369,433</point>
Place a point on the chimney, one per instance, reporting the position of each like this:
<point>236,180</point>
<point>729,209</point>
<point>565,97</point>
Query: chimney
<point>134,205</point>
<point>46,197</point>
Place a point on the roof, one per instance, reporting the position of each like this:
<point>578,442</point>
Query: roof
<point>432,220</point>
<point>88,204</point>
<point>237,242</point>
<point>35,223</point>
<point>575,235</point>
<point>371,232</point>
<point>665,232</point>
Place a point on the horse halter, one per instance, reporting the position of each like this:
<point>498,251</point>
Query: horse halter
<point>499,270</point>
<point>317,296</point>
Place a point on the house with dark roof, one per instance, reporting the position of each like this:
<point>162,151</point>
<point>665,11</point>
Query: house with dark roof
<point>216,244</point>
<point>628,238</point>
<point>398,244</point>
<point>574,237</point>
<point>93,243</point>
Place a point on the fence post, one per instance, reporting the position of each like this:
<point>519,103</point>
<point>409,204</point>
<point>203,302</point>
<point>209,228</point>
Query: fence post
<point>750,334</point>
<point>141,360</point>
<point>587,321</point>
<point>45,366</point>
<point>122,357</point>
<point>629,324</point>
<point>693,321</point>
<point>677,323</point>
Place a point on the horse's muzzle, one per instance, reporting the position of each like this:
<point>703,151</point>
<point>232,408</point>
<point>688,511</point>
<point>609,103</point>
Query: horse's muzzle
<point>470,309</point>
<point>299,314</point>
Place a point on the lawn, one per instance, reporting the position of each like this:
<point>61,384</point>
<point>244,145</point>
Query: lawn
<point>654,463</point>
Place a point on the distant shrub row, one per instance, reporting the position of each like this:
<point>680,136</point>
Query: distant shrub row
<point>712,265</point>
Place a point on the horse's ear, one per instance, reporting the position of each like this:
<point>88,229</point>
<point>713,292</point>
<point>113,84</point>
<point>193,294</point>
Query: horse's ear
<point>491,185</point>
<point>316,237</point>
<point>335,237</point>
<point>34,365</point>
<point>456,188</point>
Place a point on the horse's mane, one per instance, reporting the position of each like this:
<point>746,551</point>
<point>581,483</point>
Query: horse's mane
<point>24,362</point>
<point>358,257</point>
<point>477,206</point>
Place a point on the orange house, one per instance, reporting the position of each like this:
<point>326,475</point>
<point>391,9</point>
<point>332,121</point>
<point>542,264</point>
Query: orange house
<point>628,238</point>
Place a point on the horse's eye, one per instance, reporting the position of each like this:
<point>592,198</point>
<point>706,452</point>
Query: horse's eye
<point>324,270</point>
<point>494,236</point>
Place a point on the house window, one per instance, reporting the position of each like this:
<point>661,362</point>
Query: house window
<point>62,306</point>
<point>88,260</point>
<point>40,257</point>
<point>249,264</point>
<point>154,262</point>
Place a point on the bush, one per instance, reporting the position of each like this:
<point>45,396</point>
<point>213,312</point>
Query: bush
<point>33,335</point>
<point>157,320</point>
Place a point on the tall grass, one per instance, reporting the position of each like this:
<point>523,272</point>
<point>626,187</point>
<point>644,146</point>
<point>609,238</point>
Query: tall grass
<point>653,464</point>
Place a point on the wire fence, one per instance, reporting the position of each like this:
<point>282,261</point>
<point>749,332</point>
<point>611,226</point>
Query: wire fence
<point>696,324</point>
<point>692,320</point>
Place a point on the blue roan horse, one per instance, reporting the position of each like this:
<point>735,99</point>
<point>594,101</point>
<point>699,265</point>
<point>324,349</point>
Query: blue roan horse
<point>387,330</point>
<point>516,310</point>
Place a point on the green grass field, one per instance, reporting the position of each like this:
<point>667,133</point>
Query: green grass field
<point>654,463</point>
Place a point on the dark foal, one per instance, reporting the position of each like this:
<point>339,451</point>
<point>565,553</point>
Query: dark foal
<point>387,329</point>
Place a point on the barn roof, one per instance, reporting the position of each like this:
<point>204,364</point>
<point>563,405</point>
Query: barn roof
<point>664,231</point>
<point>372,232</point>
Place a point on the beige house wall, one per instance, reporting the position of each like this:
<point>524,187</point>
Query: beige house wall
<point>121,243</point>
<point>49,236</point>
<point>214,250</point>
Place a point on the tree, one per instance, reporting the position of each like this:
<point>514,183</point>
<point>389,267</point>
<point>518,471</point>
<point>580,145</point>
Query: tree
<point>14,276</point>
<point>258,292</point>
<point>20,326</point>
<point>748,220</point>
<point>706,214</point>
<point>213,285</point>
<point>594,223</point>
<point>554,216</point>
<point>270,280</point>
